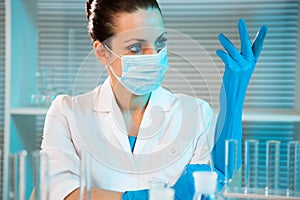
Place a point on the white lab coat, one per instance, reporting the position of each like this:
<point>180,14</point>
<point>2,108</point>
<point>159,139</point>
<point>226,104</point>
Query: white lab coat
<point>173,133</point>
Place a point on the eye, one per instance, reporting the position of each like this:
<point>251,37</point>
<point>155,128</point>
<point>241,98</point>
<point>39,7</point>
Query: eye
<point>135,48</point>
<point>161,43</point>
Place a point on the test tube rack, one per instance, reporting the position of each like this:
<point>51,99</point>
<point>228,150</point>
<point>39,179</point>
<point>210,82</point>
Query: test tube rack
<point>235,189</point>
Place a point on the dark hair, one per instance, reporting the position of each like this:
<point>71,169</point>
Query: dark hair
<point>100,15</point>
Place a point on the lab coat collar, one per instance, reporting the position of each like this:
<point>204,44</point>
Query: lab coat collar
<point>104,98</point>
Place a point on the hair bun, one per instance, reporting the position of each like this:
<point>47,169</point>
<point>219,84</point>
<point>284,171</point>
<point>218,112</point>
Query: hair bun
<point>88,8</point>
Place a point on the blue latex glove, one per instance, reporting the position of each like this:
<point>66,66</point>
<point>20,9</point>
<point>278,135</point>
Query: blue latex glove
<point>136,195</point>
<point>239,68</point>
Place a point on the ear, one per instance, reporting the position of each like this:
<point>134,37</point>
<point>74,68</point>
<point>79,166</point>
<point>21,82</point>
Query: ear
<point>101,53</point>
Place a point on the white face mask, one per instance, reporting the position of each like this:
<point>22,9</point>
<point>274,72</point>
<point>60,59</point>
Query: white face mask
<point>142,74</point>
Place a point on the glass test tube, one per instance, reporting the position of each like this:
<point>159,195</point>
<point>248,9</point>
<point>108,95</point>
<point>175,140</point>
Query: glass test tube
<point>85,176</point>
<point>22,173</point>
<point>251,163</point>
<point>293,167</point>
<point>230,161</point>
<point>272,165</point>
<point>17,176</point>
<point>41,175</point>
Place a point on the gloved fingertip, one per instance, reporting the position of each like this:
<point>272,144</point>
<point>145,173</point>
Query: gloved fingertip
<point>221,54</point>
<point>218,52</point>
<point>264,29</point>
<point>242,21</point>
<point>221,36</point>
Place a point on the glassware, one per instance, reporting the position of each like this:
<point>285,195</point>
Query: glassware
<point>159,190</point>
<point>205,184</point>
<point>17,190</point>
<point>272,166</point>
<point>85,175</point>
<point>40,175</point>
<point>251,164</point>
<point>46,92</point>
<point>231,149</point>
<point>158,184</point>
<point>293,167</point>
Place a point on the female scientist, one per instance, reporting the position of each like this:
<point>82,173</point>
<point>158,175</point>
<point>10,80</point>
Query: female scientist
<point>133,130</point>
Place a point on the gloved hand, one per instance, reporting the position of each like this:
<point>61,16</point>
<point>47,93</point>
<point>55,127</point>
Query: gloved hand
<point>239,68</point>
<point>184,186</point>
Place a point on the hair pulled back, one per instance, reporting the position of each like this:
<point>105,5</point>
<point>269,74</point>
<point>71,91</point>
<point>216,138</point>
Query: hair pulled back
<point>100,15</point>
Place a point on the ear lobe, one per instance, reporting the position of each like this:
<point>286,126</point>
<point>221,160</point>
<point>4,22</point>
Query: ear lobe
<point>101,53</point>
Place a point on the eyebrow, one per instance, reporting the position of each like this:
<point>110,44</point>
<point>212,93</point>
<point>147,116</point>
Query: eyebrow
<point>143,40</point>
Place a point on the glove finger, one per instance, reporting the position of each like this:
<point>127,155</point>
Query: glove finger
<point>227,60</point>
<point>224,56</point>
<point>245,40</point>
<point>229,47</point>
<point>259,41</point>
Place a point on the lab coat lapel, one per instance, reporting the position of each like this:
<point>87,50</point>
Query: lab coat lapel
<point>94,133</point>
<point>154,118</point>
<point>106,106</point>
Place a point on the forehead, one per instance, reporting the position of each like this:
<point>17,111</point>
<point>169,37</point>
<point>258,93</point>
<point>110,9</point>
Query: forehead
<point>142,24</point>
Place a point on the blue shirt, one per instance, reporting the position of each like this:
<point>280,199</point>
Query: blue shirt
<point>132,140</point>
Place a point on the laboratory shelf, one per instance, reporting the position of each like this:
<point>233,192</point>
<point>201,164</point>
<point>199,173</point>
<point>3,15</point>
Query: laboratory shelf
<point>29,111</point>
<point>271,115</point>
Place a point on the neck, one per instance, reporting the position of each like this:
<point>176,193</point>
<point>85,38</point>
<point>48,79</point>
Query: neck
<point>131,106</point>
<point>133,113</point>
<point>126,100</point>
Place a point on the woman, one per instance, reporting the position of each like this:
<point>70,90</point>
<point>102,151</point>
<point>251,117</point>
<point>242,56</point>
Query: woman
<point>134,130</point>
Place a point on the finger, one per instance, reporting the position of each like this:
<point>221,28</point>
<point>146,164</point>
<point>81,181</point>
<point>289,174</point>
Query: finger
<point>245,40</point>
<point>224,56</point>
<point>259,41</point>
<point>229,47</point>
<point>228,60</point>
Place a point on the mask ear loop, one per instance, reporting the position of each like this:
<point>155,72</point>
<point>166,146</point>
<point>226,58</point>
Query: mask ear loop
<point>111,51</point>
<point>108,66</point>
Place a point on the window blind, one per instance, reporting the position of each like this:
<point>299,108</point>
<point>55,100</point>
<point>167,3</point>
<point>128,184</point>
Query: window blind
<point>63,42</point>
<point>2,86</point>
